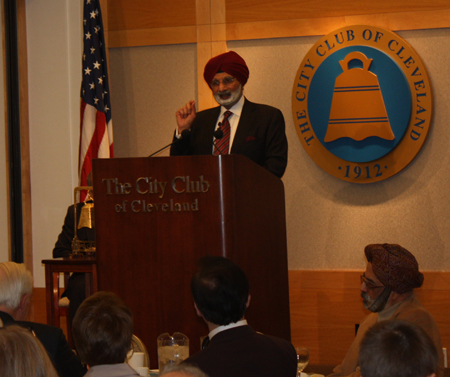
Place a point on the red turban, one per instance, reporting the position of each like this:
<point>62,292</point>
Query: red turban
<point>394,266</point>
<point>229,62</point>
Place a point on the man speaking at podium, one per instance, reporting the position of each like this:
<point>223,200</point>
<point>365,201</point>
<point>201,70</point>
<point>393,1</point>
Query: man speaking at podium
<point>237,126</point>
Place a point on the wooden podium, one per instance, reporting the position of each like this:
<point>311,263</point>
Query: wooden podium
<point>155,217</point>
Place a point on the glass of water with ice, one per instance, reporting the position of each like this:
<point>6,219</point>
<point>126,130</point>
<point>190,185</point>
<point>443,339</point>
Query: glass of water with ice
<point>172,349</point>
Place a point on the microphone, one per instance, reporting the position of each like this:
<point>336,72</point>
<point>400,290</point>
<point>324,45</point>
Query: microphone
<point>184,135</point>
<point>218,134</point>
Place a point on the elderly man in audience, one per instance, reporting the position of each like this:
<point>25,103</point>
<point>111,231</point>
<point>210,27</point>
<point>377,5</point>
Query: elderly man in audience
<point>221,296</point>
<point>102,331</point>
<point>397,348</point>
<point>182,370</point>
<point>387,289</point>
<point>16,288</point>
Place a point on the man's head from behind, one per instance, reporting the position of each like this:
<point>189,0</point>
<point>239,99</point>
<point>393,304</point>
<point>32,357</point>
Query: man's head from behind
<point>397,348</point>
<point>16,287</point>
<point>390,268</point>
<point>220,290</point>
<point>102,329</point>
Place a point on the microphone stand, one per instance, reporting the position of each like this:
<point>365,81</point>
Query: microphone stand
<point>184,134</point>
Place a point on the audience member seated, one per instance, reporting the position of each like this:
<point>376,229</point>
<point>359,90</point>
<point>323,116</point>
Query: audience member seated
<point>102,332</point>
<point>182,370</point>
<point>221,297</point>
<point>397,348</point>
<point>16,288</point>
<point>23,355</point>
<point>387,289</point>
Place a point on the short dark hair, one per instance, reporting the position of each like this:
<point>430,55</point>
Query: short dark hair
<point>102,329</point>
<point>397,348</point>
<point>220,290</point>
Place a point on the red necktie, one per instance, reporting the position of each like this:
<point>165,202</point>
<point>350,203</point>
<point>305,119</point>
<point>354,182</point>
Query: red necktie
<point>223,144</point>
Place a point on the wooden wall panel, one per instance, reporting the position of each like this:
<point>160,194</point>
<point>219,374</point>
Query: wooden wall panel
<point>152,37</point>
<point>143,22</point>
<point>326,305</point>
<point>146,14</point>
<point>239,11</point>
<point>24,135</point>
<point>415,20</point>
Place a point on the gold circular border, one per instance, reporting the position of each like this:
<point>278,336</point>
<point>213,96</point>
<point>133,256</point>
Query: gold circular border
<point>421,96</point>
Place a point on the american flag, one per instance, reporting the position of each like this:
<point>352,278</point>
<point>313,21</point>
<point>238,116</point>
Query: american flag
<point>96,136</point>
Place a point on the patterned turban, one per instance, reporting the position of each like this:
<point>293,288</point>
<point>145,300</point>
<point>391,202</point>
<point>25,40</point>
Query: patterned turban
<point>394,266</point>
<point>229,62</point>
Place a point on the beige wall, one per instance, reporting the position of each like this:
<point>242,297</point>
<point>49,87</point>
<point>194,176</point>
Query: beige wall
<point>54,79</point>
<point>329,221</point>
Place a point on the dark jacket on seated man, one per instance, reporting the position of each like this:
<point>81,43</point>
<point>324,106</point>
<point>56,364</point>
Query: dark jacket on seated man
<point>76,289</point>
<point>242,352</point>
<point>221,296</point>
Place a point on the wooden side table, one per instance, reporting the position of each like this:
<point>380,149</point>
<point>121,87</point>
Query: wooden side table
<point>53,268</point>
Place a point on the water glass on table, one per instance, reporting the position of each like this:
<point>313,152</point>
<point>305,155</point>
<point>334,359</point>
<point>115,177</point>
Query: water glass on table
<point>172,349</point>
<point>302,359</point>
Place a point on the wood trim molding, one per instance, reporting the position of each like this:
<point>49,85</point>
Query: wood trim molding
<point>322,26</point>
<point>222,31</point>
<point>151,37</point>
<point>24,136</point>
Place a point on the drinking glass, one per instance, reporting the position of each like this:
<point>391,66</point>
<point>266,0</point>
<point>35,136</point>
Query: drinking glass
<point>302,359</point>
<point>172,349</point>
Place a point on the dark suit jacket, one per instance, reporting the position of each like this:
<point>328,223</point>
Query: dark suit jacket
<point>260,136</point>
<point>242,352</point>
<point>75,290</point>
<point>66,363</point>
<point>63,246</point>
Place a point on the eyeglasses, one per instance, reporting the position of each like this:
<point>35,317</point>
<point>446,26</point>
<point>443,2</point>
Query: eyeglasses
<point>369,285</point>
<point>226,81</point>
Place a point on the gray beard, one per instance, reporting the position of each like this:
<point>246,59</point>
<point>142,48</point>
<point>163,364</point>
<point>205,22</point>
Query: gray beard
<point>235,96</point>
<point>378,304</point>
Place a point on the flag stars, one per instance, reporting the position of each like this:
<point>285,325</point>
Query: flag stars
<point>94,78</point>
